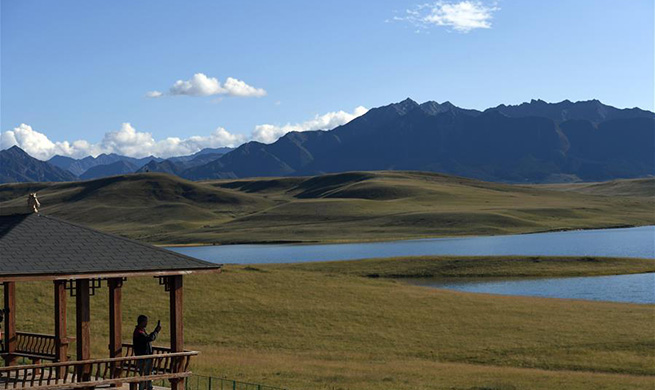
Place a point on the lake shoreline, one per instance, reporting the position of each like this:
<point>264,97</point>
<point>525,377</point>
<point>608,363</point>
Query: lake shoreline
<point>620,280</point>
<point>636,242</point>
<point>470,267</point>
<point>630,288</point>
<point>410,238</point>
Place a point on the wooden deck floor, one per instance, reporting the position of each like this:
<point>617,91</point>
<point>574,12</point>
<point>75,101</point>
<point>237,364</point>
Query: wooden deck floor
<point>17,383</point>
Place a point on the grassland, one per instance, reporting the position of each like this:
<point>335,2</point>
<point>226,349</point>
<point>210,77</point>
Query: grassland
<point>350,325</point>
<point>322,326</point>
<point>354,206</point>
<point>631,187</point>
<point>477,266</point>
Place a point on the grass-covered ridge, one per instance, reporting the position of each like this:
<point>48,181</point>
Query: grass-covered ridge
<point>352,206</point>
<point>477,266</point>
<point>322,328</point>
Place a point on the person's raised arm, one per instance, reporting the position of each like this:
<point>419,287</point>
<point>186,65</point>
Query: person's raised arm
<point>153,336</point>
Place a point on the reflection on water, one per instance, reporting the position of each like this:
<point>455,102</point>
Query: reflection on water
<point>637,288</point>
<point>628,242</point>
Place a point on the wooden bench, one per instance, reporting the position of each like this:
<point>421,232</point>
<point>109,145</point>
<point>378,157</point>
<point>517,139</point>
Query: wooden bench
<point>36,347</point>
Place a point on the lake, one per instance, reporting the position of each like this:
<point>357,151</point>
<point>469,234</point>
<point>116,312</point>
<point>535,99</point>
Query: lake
<point>636,288</point>
<point>628,242</point>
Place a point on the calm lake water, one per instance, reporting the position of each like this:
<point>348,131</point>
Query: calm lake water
<point>629,242</point>
<point>637,288</point>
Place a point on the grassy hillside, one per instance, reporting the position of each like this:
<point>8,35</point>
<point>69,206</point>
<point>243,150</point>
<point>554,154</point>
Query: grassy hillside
<point>354,206</point>
<point>629,187</point>
<point>323,328</point>
<point>143,206</point>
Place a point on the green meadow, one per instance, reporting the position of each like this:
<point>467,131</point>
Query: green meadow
<point>353,206</point>
<point>330,326</point>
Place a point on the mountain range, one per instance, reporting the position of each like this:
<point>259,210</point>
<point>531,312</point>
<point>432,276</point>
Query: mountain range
<point>80,166</point>
<point>530,142</point>
<point>18,166</point>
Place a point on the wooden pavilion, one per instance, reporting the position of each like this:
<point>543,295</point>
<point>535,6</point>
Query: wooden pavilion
<point>78,260</point>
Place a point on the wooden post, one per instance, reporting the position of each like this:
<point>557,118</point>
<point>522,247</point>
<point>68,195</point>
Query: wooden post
<point>61,338</point>
<point>115,317</point>
<point>83,330</point>
<point>10,323</point>
<point>115,322</point>
<point>176,323</point>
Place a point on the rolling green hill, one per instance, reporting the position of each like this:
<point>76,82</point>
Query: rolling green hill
<point>142,206</point>
<point>352,206</point>
<point>628,187</point>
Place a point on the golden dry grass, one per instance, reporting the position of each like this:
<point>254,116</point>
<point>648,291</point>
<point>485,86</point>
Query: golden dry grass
<point>307,329</point>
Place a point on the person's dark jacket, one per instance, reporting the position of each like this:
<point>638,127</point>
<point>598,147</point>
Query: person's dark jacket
<point>142,341</point>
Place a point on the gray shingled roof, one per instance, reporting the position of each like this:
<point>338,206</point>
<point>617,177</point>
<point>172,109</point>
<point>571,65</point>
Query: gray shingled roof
<point>34,244</point>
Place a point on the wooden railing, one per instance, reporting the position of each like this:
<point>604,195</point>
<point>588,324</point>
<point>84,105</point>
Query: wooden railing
<point>35,345</point>
<point>97,372</point>
<point>128,350</point>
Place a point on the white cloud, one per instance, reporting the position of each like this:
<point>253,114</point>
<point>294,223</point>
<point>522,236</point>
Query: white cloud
<point>198,85</point>
<point>236,87</point>
<point>34,143</point>
<point>462,16</point>
<point>202,85</point>
<point>154,94</point>
<point>268,133</point>
<point>128,141</point>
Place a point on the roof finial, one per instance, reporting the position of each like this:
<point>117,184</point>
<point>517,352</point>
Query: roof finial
<point>33,203</point>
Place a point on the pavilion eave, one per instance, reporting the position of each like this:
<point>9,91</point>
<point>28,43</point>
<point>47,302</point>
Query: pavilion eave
<point>104,275</point>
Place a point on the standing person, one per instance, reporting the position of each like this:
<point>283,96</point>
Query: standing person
<point>142,342</point>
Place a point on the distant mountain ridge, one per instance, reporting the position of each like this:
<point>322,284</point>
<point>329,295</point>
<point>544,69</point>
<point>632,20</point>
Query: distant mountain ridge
<point>79,166</point>
<point>119,167</point>
<point>531,142</point>
<point>18,166</point>
<point>177,165</point>
<point>590,110</point>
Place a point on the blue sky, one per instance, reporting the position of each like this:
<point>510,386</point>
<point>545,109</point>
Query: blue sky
<point>77,70</point>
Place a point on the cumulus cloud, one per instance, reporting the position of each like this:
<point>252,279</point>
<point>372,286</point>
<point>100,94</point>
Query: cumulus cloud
<point>203,85</point>
<point>34,143</point>
<point>268,133</point>
<point>235,87</point>
<point>128,141</point>
<point>462,16</point>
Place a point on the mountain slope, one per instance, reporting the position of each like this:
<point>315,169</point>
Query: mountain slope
<point>18,166</point>
<point>535,142</point>
<point>119,167</point>
<point>206,154</point>
<point>177,165</point>
<point>166,166</point>
<point>116,164</point>
<point>79,166</point>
